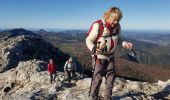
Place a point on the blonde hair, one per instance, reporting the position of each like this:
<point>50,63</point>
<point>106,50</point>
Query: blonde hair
<point>114,10</point>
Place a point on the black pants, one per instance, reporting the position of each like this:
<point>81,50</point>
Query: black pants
<point>69,75</point>
<point>52,77</point>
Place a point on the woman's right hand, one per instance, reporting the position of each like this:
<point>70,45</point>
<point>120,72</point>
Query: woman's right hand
<point>98,51</point>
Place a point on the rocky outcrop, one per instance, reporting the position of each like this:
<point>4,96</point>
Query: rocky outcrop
<point>25,83</point>
<point>22,45</point>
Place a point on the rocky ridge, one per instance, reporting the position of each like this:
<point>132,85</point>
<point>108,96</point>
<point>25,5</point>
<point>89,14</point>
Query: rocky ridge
<point>25,83</point>
<point>22,45</point>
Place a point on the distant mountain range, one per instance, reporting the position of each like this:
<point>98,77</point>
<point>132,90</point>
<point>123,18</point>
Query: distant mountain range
<point>148,46</point>
<point>156,38</point>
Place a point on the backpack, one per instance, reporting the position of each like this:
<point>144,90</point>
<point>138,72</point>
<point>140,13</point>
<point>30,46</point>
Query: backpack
<point>71,66</point>
<point>101,29</point>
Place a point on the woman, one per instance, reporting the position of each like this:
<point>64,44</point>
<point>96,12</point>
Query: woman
<point>106,32</point>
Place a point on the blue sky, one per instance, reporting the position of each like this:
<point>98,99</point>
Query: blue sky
<point>79,14</point>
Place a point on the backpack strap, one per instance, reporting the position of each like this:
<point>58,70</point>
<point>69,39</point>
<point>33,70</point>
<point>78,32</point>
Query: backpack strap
<point>101,29</point>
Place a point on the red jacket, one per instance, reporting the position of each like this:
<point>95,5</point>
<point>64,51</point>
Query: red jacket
<point>51,68</point>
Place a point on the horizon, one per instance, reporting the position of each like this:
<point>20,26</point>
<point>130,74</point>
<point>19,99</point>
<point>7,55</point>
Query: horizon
<point>138,31</point>
<point>62,14</point>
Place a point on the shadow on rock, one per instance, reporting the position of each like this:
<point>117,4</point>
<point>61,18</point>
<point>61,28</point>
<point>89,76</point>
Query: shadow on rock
<point>60,86</point>
<point>131,94</point>
<point>162,94</point>
<point>41,95</point>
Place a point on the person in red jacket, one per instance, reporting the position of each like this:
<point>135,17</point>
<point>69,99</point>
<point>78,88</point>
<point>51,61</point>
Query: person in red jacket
<point>52,70</point>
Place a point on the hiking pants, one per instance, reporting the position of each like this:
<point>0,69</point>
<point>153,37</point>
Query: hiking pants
<point>52,77</point>
<point>69,75</point>
<point>103,68</point>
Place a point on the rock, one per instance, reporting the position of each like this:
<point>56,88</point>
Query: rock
<point>7,89</point>
<point>51,97</point>
<point>41,67</point>
<point>23,45</point>
<point>42,89</point>
<point>26,71</point>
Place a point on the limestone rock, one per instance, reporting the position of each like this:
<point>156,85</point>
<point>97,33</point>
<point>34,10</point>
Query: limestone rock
<point>22,45</point>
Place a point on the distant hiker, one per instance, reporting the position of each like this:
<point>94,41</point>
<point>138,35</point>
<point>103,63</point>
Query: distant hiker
<point>70,69</point>
<point>106,32</point>
<point>52,70</point>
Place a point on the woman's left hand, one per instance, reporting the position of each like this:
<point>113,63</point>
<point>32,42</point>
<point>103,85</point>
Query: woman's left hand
<point>128,45</point>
